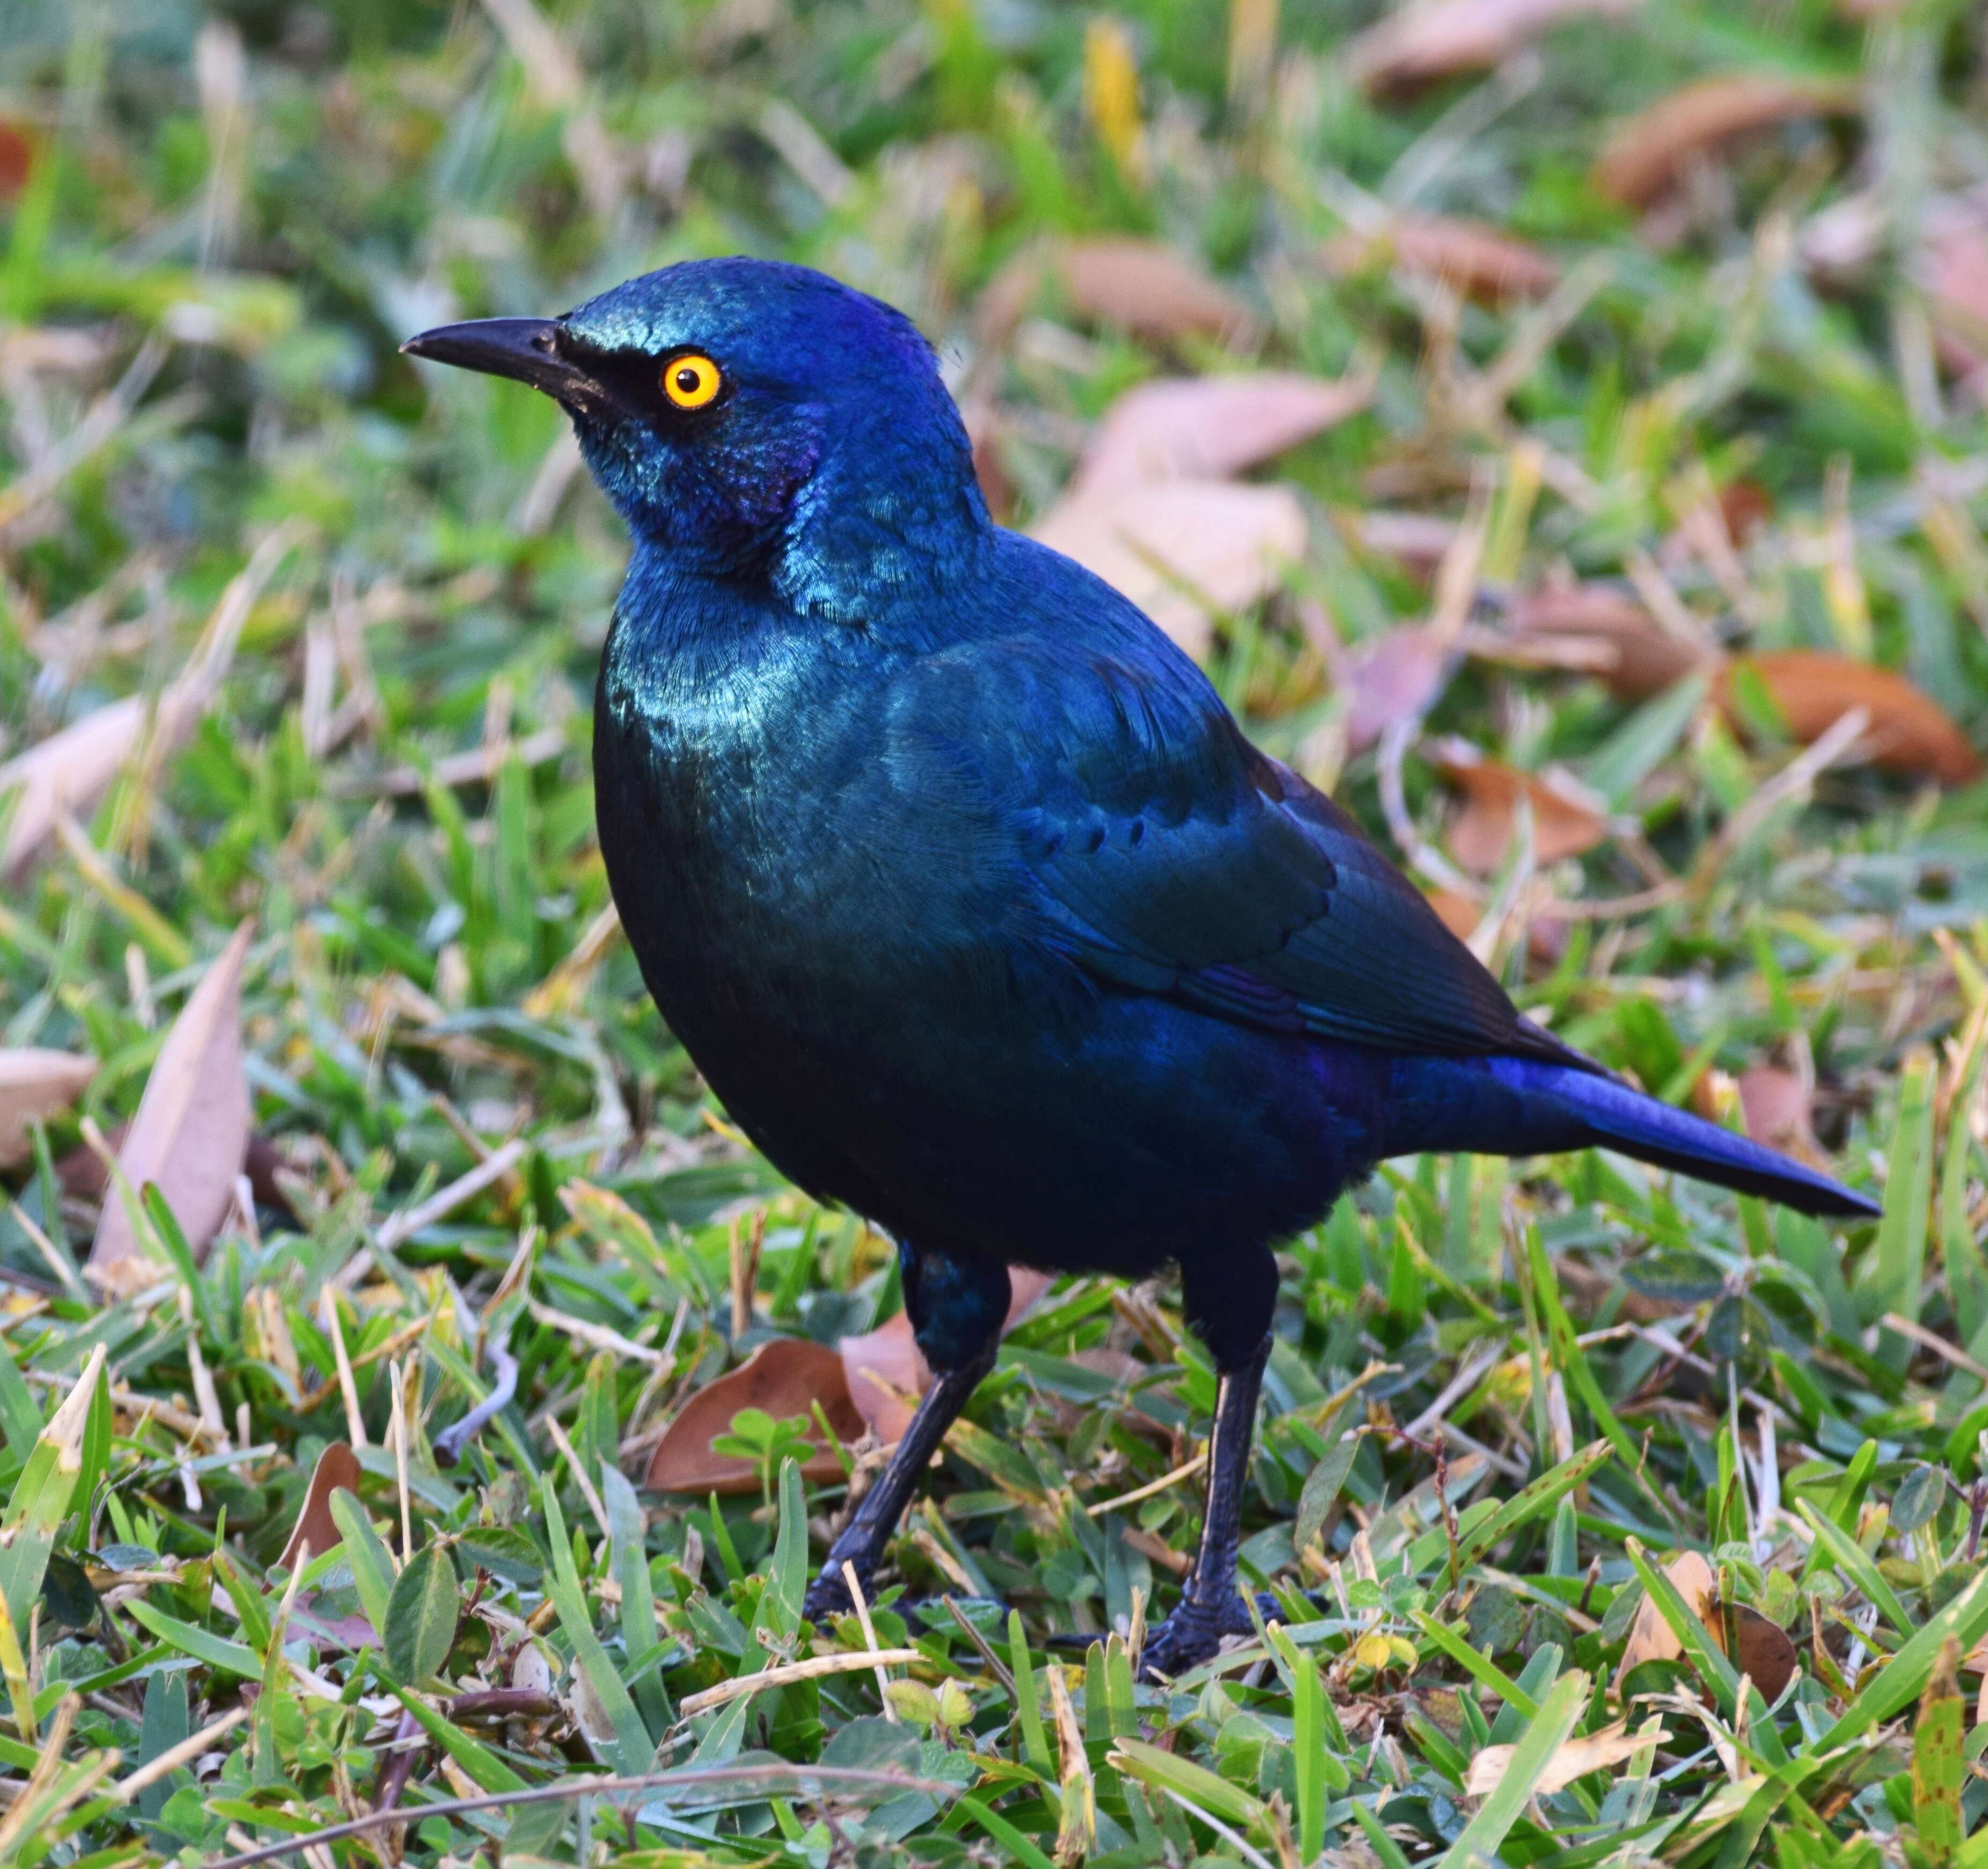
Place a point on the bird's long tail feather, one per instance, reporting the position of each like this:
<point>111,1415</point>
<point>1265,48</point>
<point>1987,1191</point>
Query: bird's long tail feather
<point>1523,1107</point>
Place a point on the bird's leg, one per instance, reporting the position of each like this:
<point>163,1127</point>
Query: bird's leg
<point>957,1307</point>
<point>1210,1607</point>
<point>1229,1300</point>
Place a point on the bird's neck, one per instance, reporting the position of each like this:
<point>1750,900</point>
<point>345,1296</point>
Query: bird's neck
<point>853,549</point>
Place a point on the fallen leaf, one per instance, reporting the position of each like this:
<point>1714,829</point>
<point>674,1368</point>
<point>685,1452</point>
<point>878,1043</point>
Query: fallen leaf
<point>1909,731</point>
<point>983,433</point>
<point>1183,548</point>
<point>1392,677</point>
<point>17,157</point>
<point>1642,658</point>
<point>785,1377</point>
<point>1422,43</point>
<point>1766,1656</point>
<point>1567,819</point>
<point>1775,1104</point>
<point>84,1178</point>
<point>1651,1638</point>
<point>1207,427</point>
<point>67,773</point>
<point>1473,257</point>
<point>885,1374</point>
<point>191,1133</point>
<point>337,1466</point>
<point>1953,269</point>
<point>34,1085</point>
<point>1546,936</point>
<point>1148,288</point>
<point>1418,542</point>
<point>1594,1752</point>
<point>1648,154</point>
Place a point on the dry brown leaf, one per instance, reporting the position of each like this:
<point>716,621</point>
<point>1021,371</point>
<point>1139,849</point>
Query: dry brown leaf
<point>17,157</point>
<point>885,1374</point>
<point>1208,427</point>
<point>1546,938</point>
<point>337,1466</point>
<point>1642,658</point>
<point>1594,1752</point>
<point>34,1085</point>
<point>1776,1103</point>
<point>1651,1638</point>
<point>67,773</point>
<point>1953,270</point>
<point>1149,288</point>
<point>1473,257</point>
<point>1567,819</point>
<point>1647,155</point>
<point>1766,1656</point>
<point>1437,39</point>
<point>190,1134</point>
<point>1183,548</point>
<point>785,1377</point>
<point>1392,677</point>
<point>1813,688</point>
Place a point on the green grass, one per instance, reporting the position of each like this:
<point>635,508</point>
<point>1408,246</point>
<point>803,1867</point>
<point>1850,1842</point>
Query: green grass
<point>391,777</point>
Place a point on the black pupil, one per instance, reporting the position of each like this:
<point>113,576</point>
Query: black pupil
<point>688,379</point>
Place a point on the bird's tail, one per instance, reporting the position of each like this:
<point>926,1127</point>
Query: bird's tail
<point>1529,1107</point>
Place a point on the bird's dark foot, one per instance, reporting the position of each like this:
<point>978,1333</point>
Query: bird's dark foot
<point>1193,1634</point>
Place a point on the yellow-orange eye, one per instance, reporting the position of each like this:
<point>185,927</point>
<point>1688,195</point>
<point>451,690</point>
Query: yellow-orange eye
<point>692,381</point>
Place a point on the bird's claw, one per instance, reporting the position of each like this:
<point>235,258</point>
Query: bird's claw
<point>1193,1633</point>
<point>828,1595</point>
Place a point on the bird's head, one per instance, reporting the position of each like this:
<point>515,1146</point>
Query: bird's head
<point>750,418</point>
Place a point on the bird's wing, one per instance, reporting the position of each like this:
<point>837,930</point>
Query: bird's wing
<point>1162,852</point>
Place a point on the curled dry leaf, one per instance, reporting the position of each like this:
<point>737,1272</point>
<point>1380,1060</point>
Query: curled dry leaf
<point>191,1131</point>
<point>1594,1752</point>
<point>1183,548</point>
<point>34,1085</point>
<point>1429,39</point>
<point>1813,688</point>
<point>1567,819</point>
<point>1639,657</point>
<point>784,1378</point>
<point>1651,1638</point>
<point>1208,427</point>
<point>1646,156</point>
<point>337,1466</point>
<point>885,1373</point>
<point>1475,258</point>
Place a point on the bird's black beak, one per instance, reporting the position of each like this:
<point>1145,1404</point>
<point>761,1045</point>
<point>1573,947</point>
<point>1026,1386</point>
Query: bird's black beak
<point>527,349</point>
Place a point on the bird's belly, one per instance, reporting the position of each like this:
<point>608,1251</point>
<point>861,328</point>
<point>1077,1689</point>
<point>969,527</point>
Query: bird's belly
<point>882,1034</point>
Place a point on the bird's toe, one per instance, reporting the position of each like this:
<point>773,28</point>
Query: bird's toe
<point>827,1595</point>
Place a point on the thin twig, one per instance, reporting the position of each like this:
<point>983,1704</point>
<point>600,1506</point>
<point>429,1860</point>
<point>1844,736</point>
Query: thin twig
<point>855,1662</point>
<point>791,1780</point>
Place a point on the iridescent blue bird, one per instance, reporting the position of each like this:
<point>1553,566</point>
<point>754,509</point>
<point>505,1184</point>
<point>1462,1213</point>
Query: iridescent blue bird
<point>966,893</point>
